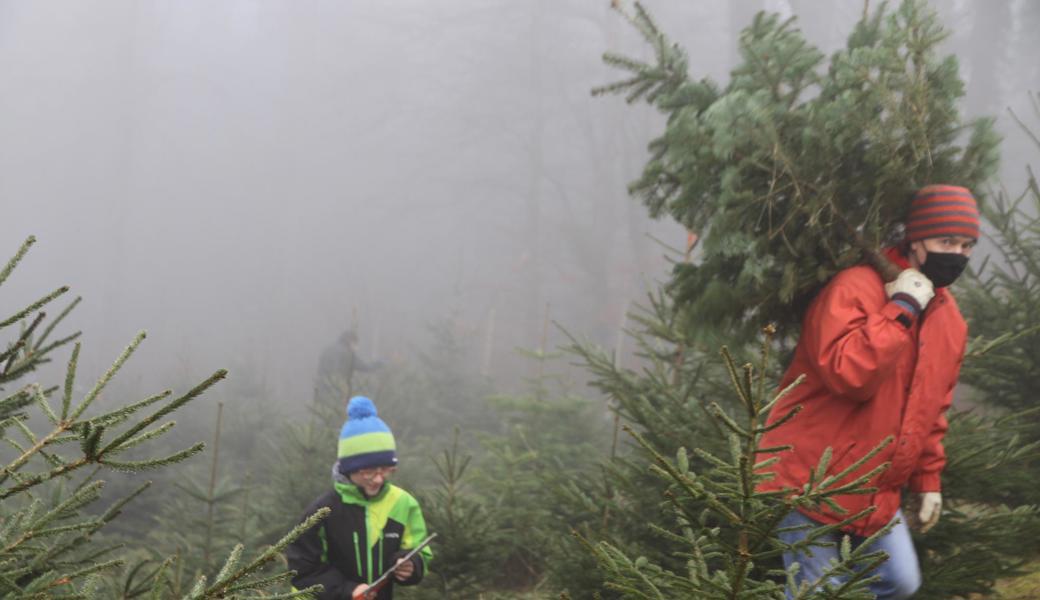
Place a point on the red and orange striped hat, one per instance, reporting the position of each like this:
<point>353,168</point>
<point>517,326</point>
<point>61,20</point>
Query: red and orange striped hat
<point>941,210</point>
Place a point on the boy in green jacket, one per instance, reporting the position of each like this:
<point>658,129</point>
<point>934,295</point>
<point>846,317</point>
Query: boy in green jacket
<point>373,523</point>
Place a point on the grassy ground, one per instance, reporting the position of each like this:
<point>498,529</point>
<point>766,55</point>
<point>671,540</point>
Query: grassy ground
<point>1026,587</point>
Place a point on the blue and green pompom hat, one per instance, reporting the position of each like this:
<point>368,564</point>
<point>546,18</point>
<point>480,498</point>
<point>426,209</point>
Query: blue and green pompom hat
<point>365,441</point>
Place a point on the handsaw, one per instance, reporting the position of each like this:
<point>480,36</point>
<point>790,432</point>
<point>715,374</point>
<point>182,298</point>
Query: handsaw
<point>375,586</point>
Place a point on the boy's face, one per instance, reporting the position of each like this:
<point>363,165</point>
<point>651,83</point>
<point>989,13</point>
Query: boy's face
<point>371,480</point>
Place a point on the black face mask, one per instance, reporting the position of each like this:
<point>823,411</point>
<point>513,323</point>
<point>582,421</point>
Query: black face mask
<point>943,268</point>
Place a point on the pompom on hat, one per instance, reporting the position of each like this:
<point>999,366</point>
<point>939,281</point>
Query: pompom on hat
<point>365,441</point>
<point>942,210</point>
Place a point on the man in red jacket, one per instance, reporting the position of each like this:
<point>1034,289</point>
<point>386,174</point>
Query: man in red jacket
<point>881,359</point>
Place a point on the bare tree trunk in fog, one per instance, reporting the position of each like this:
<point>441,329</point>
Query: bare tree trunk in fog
<point>542,352</point>
<point>489,343</point>
<point>125,164</point>
<point>374,351</point>
<point>986,55</point>
<point>619,342</point>
<point>604,271</point>
<point>535,162</point>
<point>1024,64</point>
<point>207,550</point>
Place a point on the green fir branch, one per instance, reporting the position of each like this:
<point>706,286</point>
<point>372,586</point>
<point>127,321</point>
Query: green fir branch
<point>12,352</point>
<point>134,466</point>
<point>109,374</point>
<point>123,413</point>
<point>221,586</point>
<point>18,316</point>
<point>70,381</point>
<point>17,258</point>
<point>43,351</point>
<point>38,347</point>
<point>165,410</point>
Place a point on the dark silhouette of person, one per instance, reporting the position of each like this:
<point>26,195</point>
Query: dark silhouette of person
<point>337,366</point>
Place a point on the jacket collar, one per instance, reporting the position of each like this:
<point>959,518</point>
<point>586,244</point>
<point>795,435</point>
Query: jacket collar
<point>350,493</point>
<point>896,255</point>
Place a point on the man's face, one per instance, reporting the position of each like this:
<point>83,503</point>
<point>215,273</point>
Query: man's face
<point>949,244</point>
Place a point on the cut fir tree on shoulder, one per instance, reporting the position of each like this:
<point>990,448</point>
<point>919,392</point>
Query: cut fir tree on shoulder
<point>794,168</point>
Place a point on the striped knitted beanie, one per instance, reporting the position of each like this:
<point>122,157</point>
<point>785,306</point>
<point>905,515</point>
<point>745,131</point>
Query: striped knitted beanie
<point>365,441</point>
<point>942,210</point>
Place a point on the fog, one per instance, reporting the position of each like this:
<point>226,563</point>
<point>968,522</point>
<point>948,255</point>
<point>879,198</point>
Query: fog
<point>245,179</point>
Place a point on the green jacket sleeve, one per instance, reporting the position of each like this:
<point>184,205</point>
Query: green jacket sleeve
<point>415,532</point>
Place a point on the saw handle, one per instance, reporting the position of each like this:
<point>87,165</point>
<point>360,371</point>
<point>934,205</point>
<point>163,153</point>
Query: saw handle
<point>370,592</point>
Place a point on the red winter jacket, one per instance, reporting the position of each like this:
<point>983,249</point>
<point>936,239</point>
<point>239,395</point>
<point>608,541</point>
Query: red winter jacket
<point>868,376</point>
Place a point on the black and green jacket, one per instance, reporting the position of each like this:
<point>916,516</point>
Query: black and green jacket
<point>361,538</point>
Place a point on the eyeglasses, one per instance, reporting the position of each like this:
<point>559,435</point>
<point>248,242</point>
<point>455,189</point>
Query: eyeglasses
<point>370,474</point>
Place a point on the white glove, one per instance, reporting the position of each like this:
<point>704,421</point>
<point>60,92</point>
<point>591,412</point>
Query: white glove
<point>913,283</point>
<point>930,505</point>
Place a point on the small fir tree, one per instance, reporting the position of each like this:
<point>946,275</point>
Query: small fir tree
<point>498,516</point>
<point>470,546</point>
<point>48,545</point>
<point>547,437</point>
<point>662,399</point>
<point>723,531</point>
<point>208,513</point>
<point>1000,298</point>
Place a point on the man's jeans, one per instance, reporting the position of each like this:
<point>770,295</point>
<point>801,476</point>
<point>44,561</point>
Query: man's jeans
<point>900,574</point>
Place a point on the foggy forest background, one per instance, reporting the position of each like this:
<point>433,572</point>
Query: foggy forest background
<point>247,180</point>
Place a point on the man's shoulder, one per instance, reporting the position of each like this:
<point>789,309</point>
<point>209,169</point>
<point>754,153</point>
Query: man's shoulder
<point>860,281</point>
<point>860,276</point>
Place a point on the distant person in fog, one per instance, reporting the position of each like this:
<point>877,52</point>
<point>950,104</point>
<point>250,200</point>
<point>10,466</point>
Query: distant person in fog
<point>337,366</point>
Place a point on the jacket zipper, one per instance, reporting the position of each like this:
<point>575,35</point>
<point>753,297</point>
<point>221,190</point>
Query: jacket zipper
<point>357,555</point>
<point>368,550</point>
